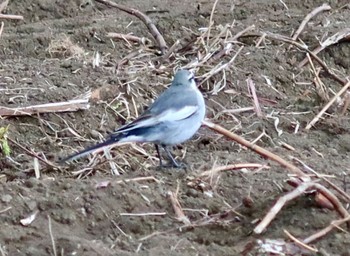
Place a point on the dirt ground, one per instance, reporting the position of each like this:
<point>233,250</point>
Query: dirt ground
<point>48,58</point>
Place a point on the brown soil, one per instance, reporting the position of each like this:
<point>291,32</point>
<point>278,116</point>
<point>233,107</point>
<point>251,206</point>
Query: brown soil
<point>86,220</point>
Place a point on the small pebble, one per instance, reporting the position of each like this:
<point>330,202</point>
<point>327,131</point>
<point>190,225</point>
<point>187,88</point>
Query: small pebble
<point>333,151</point>
<point>95,134</point>
<point>6,198</point>
<point>32,205</point>
<point>192,193</point>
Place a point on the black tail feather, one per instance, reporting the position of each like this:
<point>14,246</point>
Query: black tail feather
<point>108,142</point>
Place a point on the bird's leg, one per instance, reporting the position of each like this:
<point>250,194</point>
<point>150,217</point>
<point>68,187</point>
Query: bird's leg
<point>158,153</point>
<point>173,161</point>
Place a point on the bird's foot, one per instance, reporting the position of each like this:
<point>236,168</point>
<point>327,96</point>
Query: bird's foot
<point>175,164</point>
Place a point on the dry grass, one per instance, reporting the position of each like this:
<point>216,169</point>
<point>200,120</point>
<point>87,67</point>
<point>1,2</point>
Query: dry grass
<point>63,47</point>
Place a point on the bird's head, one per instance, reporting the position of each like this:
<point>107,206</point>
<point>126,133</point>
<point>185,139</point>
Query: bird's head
<point>184,77</point>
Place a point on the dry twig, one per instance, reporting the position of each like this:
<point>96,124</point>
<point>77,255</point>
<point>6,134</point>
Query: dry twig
<point>171,50</point>
<point>300,190</point>
<point>326,230</point>
<point>232,167</point>
<point>252,89</point>
<point>300,243</point>
<point>71,105</point>
<point>106,183</point>
<point>29,152</point>
<point>221,67</point>
<point>343,34</point>
<point>180,215</point>
<point>3,5</point>
<point>1,28</point>
<point>228,47</point>
<point>52,237</point>
<point>128,37</point>
<point>324,109</point>
<point>158,38</point>
<point>205,221</point>
<point>259,150</point>
<point>312,54</point>
<point>344,195</point>
<point>11,16</point>
<point>211,19</point>
<point>303,186</point>
<point>313,13</point>
<point>346,103</point>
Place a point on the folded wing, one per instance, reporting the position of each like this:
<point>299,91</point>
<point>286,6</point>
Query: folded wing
<point>170,115</point>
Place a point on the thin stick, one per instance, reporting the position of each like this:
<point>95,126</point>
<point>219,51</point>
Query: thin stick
<point>211,19</point>
<point>261,39</point>
<point>2,27</point>
<point>313,13</point>
<point>231,167</point>
<point>257,149</point>
<point>241,33</point>
<point>312,54</point>
<point>256,103</point>
<point>6,209</point>
<point>151,178</point>
<point>2,251</point>
<point>324,109</point>
<point>106,183</point>
<point>346,103</point>
<point>3,5</point>
<point>71,105</point>
<point>227,49</point>
<point>221,67</point>
<point>120,63</point>
<point>180,215</point>
<point>33,154</point>
<point>143,214</point>
<point>298,191</point>
<point>332,199</point>
<point>11,17</point>
<point>205,221</point>
<point>278,206</point>
<point>326,69</point>
<point>158,38</point>
<point>298,242</point>
<point>326,230</point>
<point>52,238</point>
<point>343,34</point>
<point>126,37</point>
<point>345,196</point>
<point>171,50</point>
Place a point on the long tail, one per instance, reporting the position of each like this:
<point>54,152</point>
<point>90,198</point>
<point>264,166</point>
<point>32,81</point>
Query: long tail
<point>108,142</point>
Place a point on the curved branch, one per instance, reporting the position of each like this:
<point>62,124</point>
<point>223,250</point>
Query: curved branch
<point>158,38</point>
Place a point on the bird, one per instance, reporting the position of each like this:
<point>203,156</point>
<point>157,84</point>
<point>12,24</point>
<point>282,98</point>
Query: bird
<point>173,118</point>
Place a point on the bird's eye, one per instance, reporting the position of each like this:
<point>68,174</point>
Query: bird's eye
<point>191,77</point>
